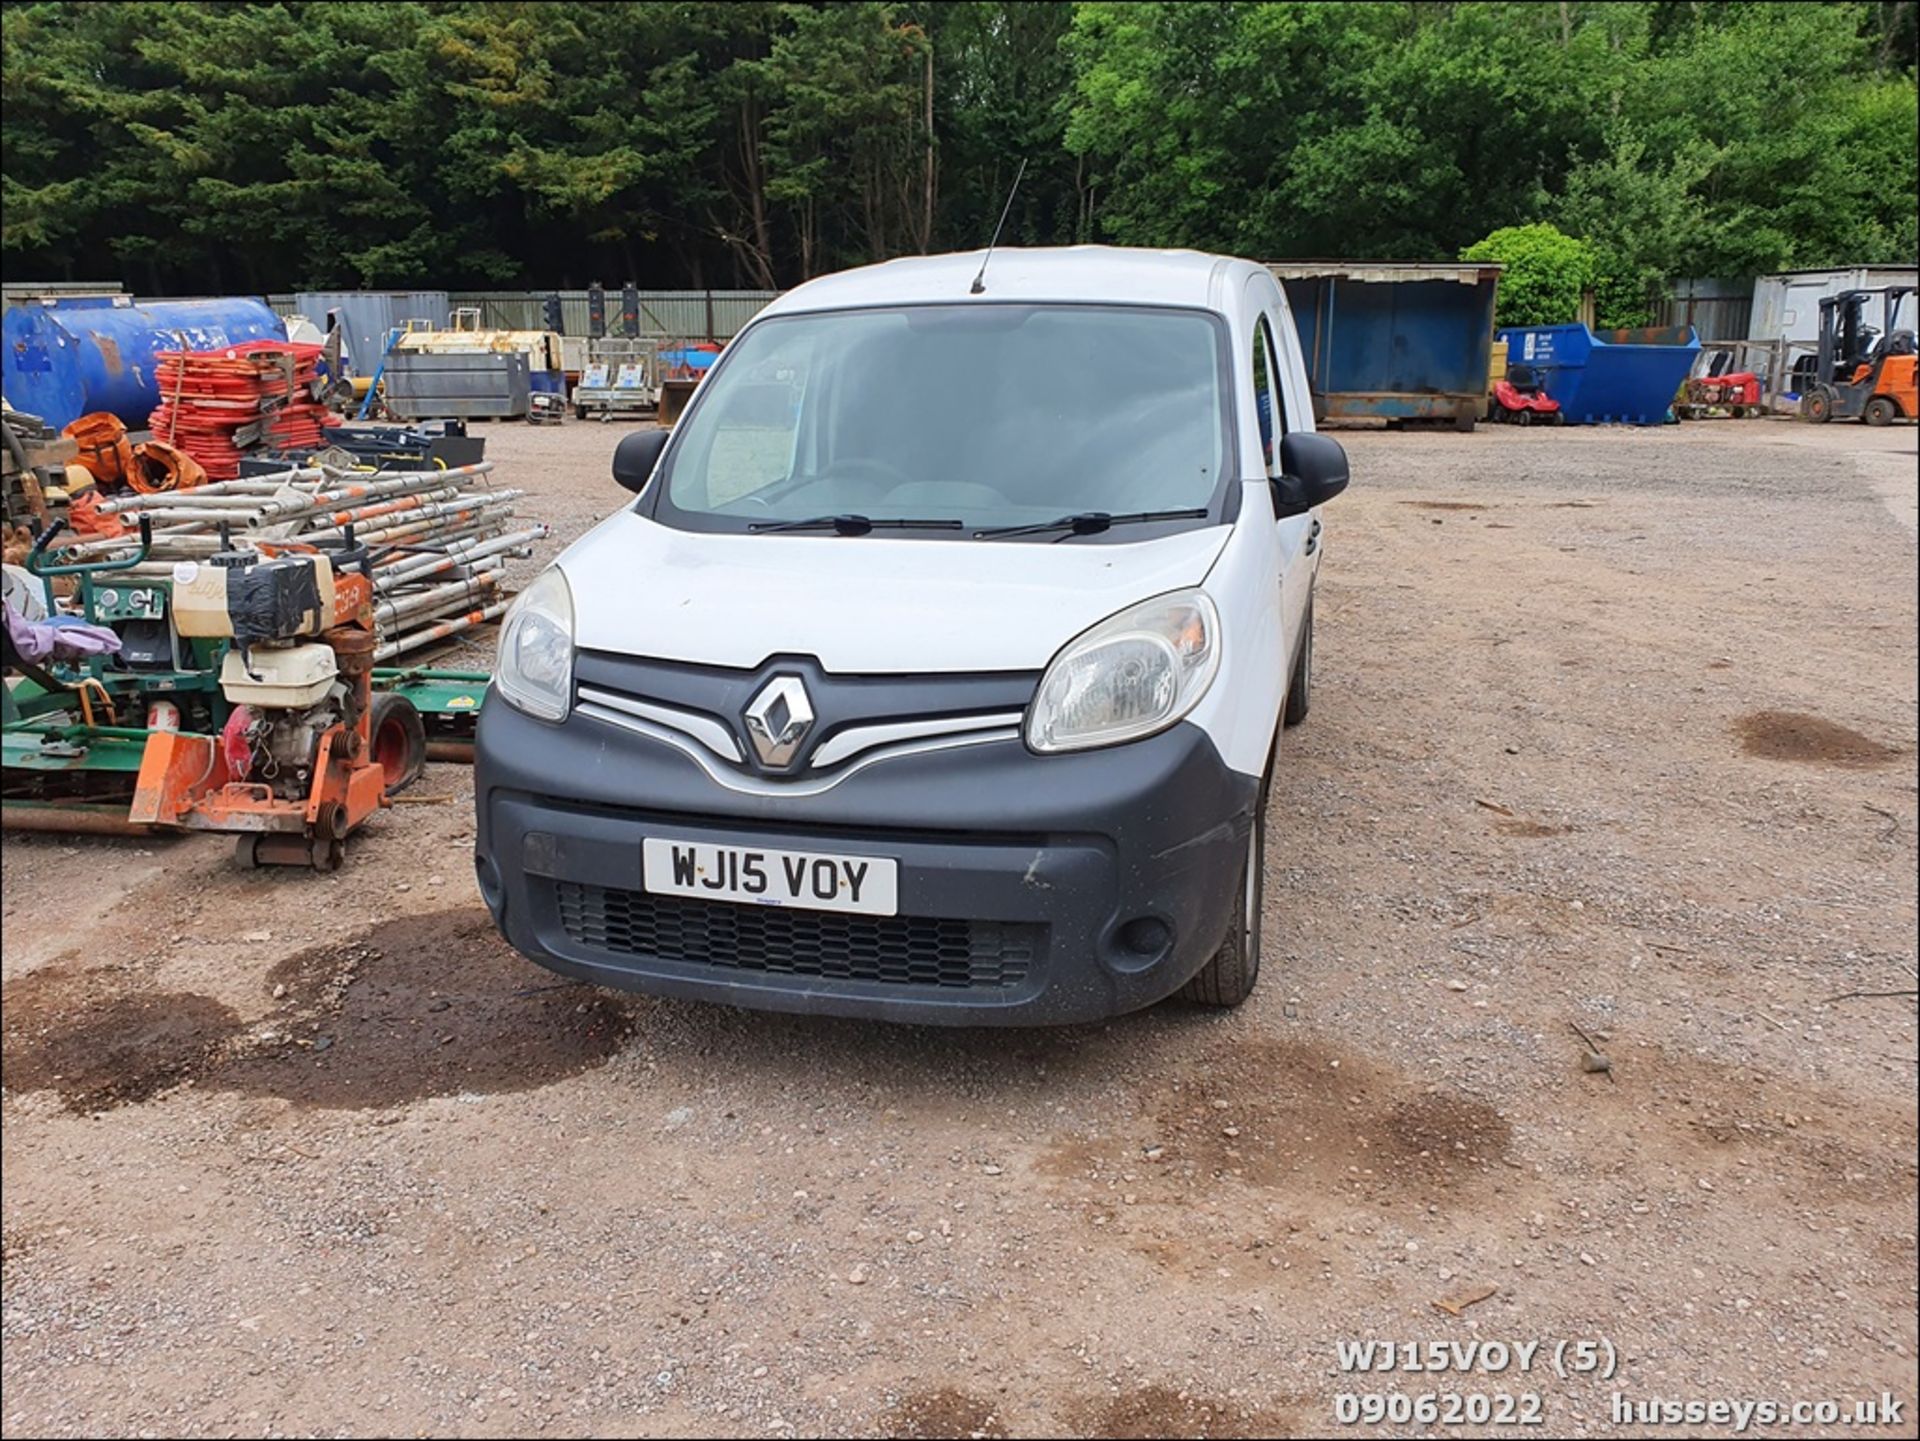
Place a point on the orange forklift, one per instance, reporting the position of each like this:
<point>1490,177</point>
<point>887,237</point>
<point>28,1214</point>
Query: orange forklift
<point>1861,372</point>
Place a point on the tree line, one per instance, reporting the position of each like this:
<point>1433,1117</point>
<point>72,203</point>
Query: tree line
<point>211,147</point>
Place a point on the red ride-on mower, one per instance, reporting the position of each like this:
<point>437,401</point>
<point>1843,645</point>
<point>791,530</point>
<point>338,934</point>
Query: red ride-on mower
<point>1716,389</point>
<point>1519,400</point>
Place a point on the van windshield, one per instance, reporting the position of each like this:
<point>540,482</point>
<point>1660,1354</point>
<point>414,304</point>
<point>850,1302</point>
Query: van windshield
<point>977,416</point>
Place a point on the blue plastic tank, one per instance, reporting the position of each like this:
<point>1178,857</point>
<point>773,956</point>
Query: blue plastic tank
<point>64,358</point>
<point>1605,377</point>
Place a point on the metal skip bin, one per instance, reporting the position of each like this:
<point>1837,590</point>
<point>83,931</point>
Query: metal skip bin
<point>1606,377</point>
<point>1387,340</point>
<point>474,385</point>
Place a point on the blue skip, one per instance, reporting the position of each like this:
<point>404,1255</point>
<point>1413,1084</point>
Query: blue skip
<point>1605,377</point>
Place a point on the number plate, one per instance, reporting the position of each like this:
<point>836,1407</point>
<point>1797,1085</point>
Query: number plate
<point>865,885</point>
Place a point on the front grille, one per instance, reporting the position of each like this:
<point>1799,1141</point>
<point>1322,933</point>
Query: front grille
<point>899,950</point>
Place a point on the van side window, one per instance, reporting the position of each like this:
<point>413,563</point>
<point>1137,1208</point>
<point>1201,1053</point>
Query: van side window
<point>1266,397</point>
<point>1279,386</point>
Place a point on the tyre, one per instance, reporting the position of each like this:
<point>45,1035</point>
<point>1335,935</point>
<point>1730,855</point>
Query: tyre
<point>579,412</point>
<point>1300,683</point>
<point>1228,976</point>
<point>1881,411</point>
<point>399,740</point>
<point>1817,405</point>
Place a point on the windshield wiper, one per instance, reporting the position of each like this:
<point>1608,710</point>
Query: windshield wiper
<point>1090,522</point>
<point>852,524</point>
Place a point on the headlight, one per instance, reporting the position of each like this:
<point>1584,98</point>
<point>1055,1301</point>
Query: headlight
<point>1133,674</point>
<point>534,671</point>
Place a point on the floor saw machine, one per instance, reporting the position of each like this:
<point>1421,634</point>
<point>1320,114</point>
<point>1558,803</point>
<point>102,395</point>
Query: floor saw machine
<point>242,698</point>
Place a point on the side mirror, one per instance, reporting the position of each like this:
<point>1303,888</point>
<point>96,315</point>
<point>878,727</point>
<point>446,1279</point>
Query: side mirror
<point>1313,471</point>
<point>636,455</point>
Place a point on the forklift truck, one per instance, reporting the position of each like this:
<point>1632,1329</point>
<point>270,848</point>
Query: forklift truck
<point>1861,372</point>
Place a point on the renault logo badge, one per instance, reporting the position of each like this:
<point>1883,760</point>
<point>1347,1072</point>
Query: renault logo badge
<point>778,719</point>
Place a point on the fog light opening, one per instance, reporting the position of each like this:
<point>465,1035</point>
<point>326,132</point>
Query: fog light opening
<point>1146,937</point>
<point>488,876</point>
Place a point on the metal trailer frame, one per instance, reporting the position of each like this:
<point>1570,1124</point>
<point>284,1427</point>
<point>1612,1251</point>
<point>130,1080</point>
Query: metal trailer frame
<point>617,353</point>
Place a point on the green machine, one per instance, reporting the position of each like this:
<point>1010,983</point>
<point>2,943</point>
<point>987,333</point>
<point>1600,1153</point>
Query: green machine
<point>74,732</point>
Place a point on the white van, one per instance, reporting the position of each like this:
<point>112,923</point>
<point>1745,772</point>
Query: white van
<point>937,671</point>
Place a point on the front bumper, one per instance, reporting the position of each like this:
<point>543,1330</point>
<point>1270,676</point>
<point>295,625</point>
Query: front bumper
<point>1019,875</point>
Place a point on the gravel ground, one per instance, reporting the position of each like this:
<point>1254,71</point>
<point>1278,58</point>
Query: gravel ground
<point>1612,728</point>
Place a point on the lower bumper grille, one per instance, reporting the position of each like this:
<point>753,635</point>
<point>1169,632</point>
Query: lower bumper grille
<point>899,950</point>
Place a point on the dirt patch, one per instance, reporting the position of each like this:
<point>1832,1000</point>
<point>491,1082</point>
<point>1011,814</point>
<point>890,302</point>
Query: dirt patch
<point>15,1247</point>
<point>1530,830</point>
<point>1443,1126</point>
<point>98,1041</point>
<point>1811,1144</point>
<point>429,1005</point>
<point>1779,735</point>
<point>1447,505</point>
<point>946,1413</point>
<point>1274,1114</point>
<point>1155,1411</point>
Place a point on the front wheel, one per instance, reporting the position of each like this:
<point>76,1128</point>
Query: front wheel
<point>399,740</point>
<point>1228,976</point>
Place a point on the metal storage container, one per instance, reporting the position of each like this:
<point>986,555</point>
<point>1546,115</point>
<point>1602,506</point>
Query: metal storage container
<point>1787,306</point>
<point>486,385</point>
<point>1605,377</point>
<point>367,316</point>
<point>1394,341</point>
<point>64,358</point>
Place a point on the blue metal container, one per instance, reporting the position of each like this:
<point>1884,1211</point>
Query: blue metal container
<point>1394,341</point>
<point>1605,377</point>
<point>64,358</point>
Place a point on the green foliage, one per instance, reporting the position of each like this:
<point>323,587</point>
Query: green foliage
<point>1546,273</point>
<point>205,145</point>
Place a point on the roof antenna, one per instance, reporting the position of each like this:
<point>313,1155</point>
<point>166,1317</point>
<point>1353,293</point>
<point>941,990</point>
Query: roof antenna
<point>979,286</point>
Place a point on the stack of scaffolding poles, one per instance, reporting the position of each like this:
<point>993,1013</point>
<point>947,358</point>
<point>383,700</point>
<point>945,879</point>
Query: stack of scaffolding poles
<point>439,540</point>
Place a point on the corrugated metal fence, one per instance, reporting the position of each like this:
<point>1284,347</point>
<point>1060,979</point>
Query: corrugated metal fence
<point>1716,309</point>
<point>668,314</point>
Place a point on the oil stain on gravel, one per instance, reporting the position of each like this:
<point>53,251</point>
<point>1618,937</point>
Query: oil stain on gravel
<point>946,1413</point>
<point>1154,1411</point>
<point>430,1005</point>
<point>100,1040</point>
<point>427,1005</point>
<point>1778,735</point>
